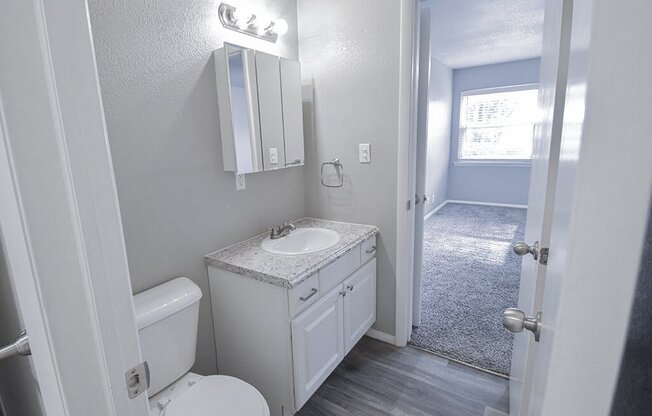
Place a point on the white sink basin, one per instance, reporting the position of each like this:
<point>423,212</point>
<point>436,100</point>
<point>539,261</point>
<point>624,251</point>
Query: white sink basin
<point>302,241</point>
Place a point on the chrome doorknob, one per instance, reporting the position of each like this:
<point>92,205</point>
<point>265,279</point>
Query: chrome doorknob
<point>521,248</point>
<point>515,320</point>
<point>19,347</point>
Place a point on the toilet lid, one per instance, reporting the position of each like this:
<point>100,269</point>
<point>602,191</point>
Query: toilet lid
<point>218,395</point>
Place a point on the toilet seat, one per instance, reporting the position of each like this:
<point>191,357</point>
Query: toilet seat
<point>218,396</point>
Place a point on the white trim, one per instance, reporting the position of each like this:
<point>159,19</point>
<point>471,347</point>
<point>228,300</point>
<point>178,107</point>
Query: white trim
<point>507,88</point>
<point>381,336</point>
<point>406,174</point>
<point>489,204</point>
<point>431,213</point>
<point>520,163</point>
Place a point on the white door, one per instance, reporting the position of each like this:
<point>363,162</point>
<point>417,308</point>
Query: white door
<point>317,344</point>
<point>423,41</point>
<point>600,211</point>
<point>19,390</point>
<point>60,225</point>
<point>545,161</point>
<point>359,304</point>
<point>407,175</point>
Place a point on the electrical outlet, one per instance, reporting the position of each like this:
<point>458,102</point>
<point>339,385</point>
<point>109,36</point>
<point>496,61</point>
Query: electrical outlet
<point>273,155</point>
<point>240,182</point>
<point>365,153</point>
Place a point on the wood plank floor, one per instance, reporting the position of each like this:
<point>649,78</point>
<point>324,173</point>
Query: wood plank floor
<point>379,379</point>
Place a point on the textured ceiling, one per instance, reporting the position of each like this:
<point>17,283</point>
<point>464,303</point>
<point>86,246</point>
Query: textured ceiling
<point>468,33</point>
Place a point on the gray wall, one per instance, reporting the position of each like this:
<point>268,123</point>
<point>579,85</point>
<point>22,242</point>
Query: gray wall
<point>501,184</point>
<point>158,86</point>
<point>19,390</point>
<point>351,52</point>
<point>440,95</point>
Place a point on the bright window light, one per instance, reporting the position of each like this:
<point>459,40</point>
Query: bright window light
<point>498,124</point>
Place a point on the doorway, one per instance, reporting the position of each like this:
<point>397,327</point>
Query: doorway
<point>477,109</point>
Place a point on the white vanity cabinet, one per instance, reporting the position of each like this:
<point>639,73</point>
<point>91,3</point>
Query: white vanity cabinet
<point>327,331</point>
<point>317,344</point>
<point>287,341</point>
<point>359,304</point>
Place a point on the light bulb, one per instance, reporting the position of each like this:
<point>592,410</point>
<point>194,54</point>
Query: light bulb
<point>279,26</point>
<point>243,17</point>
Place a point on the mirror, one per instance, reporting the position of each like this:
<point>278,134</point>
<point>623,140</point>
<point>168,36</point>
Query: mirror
<point>261,121</point>
<point>238,108</point>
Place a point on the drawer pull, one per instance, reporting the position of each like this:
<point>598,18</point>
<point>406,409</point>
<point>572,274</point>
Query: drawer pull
<point>313,292</point>
<point>350,287</point>
<point>371,250</point>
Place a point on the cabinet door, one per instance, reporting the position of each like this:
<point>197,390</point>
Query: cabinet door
<point>359,304</point>
<point>317,345</point>
<point>271,111</point>
<point>292,111</point>
<point>237,95</point>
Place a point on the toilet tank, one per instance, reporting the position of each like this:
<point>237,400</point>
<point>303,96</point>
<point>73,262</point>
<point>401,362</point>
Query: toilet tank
<point>167,317</point>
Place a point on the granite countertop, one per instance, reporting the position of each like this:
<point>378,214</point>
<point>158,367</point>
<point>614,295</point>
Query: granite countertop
<point>249,259</point>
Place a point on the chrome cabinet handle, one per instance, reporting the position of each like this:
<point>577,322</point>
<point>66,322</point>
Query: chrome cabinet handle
<point>371,250</point>
<point>313,292</point>
<point>350,287</point>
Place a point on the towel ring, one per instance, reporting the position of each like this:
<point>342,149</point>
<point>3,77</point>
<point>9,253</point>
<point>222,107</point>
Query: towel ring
<point>339,169</point>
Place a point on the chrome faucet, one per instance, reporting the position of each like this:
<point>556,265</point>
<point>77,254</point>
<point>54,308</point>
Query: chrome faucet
<point>281,230</point>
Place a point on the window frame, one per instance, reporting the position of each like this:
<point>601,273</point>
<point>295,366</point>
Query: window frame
<point>490,162</point>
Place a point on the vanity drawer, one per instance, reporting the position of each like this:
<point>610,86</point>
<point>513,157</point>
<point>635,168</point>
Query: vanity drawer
<point>304,295</point>
<point>368,249</point>
<point>333,274</point>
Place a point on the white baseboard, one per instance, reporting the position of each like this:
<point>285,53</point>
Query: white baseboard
<point>490,204</point>
<point>381,336</point>
<point>431,213</point>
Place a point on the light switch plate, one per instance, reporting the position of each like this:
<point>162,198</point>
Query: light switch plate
<point>273,155</point>
<point>365,153</point>
<point>240,182</point>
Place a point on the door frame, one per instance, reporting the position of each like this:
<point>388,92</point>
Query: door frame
<point>405,278</point>
<point>60,221</point>
<point>406,175</point>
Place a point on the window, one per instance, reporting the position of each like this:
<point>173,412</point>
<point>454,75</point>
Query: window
<point>497,124</point>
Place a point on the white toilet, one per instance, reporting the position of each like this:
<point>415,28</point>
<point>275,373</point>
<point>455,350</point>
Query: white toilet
<point>167,317</point>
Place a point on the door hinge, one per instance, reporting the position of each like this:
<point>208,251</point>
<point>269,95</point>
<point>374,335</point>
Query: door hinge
<point>543,255</point>
<point>137,379</point>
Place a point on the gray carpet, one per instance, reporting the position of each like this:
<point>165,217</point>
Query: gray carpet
<point>470,274</point>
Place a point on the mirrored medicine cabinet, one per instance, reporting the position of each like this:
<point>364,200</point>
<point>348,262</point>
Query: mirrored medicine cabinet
<point>259,99</point>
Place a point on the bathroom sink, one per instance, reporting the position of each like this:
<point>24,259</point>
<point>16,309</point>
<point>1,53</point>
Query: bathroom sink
<point>302,241</point>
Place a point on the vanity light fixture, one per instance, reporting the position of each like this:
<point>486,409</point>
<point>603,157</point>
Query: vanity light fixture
<point>243,21</point>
